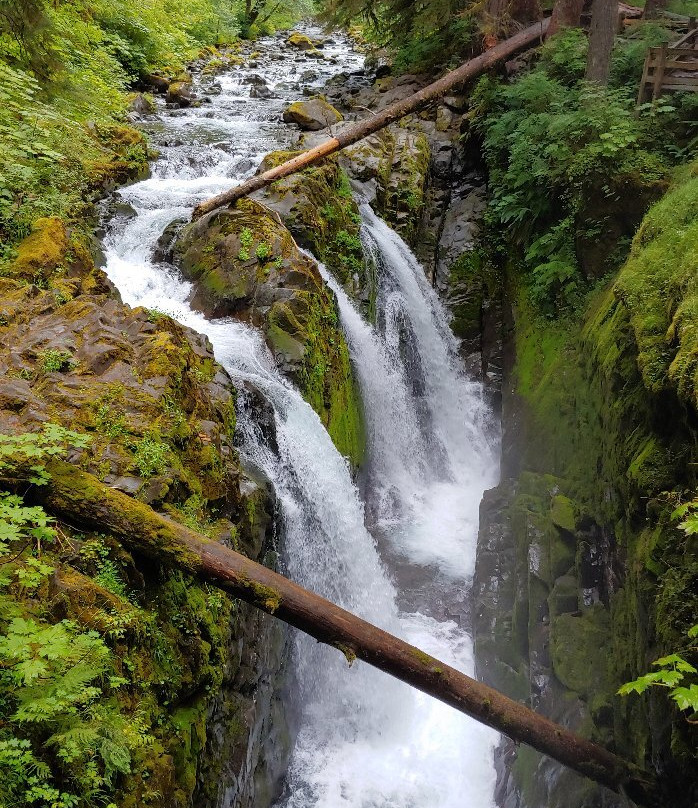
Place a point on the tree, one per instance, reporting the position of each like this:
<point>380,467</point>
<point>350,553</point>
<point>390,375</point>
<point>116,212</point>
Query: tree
<point>653,8</point>
<point>566,14</point>
<point>604,21</point>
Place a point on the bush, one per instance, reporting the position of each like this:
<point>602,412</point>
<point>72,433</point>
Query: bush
<point>564,155</point>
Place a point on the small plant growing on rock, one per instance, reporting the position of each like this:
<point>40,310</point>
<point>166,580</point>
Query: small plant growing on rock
<point>246,239</point>
<point>263,250</point>
<point>151,457</point>
<point>53,360</point>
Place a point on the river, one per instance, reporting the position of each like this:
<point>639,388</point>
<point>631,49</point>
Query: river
<point>398,547</point>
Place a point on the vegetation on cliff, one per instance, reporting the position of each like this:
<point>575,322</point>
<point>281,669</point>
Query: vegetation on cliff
<point>604,376</point>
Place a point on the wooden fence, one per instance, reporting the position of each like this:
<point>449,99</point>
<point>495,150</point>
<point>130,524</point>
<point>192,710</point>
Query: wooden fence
<point>671,67</point>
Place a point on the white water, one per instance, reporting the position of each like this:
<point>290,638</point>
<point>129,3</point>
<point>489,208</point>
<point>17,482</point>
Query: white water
<point>365,740</point>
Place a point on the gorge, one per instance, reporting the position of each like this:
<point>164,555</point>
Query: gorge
<point>336,378</point>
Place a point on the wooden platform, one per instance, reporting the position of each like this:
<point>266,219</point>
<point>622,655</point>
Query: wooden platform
<point>671,67</point>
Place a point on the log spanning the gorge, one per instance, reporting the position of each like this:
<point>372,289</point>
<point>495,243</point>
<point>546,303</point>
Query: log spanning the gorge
<point>81,498</point>
<point>392,113</point>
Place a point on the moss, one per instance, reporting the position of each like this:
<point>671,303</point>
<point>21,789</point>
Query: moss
<point>562,513</point>
<point>609,409</point>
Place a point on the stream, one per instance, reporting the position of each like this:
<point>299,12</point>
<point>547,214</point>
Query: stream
<point>396,547</point>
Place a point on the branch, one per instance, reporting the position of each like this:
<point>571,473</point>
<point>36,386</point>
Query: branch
<point>83,498</point>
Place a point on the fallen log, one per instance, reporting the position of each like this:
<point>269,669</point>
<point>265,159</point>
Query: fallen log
<point>81,498</point>
<point>392,113</point>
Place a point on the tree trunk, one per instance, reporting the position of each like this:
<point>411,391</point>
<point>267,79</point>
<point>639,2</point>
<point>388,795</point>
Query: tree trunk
<point>82,498</point>
<point>392,113</point>
<point>604,23</point>
<point>566,14</point>
<point>653,8</point>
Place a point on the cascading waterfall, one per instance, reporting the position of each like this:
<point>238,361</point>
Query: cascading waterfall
<point>364,740</point>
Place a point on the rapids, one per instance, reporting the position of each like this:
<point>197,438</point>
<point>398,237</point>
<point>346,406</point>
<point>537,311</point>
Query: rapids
<point>397,547</point>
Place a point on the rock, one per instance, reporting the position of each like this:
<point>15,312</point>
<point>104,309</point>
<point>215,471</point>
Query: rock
<point>165,244</point>
<point>156,82</point>
<point>180,93</point>
<point>301,41</point>
<point>314,54</point>
<point>141,105</point>
<point>309,75</point>
<point>562,513</point>
<point>262,91</point>
<point>255,79</point>
<point>244,263</point>
<point>312,115</point>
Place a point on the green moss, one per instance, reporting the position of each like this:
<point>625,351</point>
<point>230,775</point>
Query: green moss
<point>562,513</point>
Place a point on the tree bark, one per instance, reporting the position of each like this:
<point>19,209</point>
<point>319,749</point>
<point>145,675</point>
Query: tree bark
<point>604,23</point>
<point>80,497</point>
<point>391,114</point>
<point>566,14</point>
<point>653,8</point>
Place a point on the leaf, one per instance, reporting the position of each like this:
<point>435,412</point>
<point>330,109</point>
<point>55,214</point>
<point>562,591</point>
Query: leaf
<point>686,697</point>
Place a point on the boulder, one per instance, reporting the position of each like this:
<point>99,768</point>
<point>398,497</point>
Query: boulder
<point>312,115</point>
<point>244,263</point>
<point>141,105</point>
<point>156,82</point>
<point>301,41</point>
<point>180,92</point>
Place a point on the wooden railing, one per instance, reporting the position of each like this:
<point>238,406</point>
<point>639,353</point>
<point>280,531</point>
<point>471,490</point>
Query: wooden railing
<point>671,67</point>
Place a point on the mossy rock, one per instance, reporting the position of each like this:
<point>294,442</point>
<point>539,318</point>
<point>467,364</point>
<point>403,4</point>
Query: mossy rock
<point>312,115</point>
<point>245,263</point>
<point>318,208</point>
<point>301,41</point>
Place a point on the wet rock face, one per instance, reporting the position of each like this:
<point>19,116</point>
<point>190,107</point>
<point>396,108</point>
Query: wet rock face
<point>160,415</point>
<point>245,263</point>
<point>312,115</point>
<point>537,639</point>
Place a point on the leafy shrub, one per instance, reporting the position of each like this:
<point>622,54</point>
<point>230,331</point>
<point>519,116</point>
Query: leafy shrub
<point>563,156</point>
<point>151,457</point>
<point>53,360</point>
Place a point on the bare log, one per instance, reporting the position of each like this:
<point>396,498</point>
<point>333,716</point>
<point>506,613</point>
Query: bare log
<point>81,498</point>
<point>392,113</point>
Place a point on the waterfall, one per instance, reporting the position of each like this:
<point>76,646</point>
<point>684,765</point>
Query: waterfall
<point>399,552</point>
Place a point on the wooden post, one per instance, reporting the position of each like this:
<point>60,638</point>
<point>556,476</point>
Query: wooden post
<point>81,498</point>
<point>659,72</point>
<point>643,81</point>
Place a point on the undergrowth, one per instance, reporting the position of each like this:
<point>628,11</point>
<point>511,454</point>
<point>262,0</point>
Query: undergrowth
<point>573,167</point>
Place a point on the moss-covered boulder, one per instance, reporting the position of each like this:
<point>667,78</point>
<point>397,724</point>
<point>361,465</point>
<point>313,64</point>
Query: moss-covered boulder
<point>312,115</point>
<point>245,263</point>
<point>318,207</point>
<point>300,41</point>
<point>393,166</point>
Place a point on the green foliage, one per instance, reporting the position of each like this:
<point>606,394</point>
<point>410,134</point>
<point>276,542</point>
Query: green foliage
<point>262,251</point>
<point>151,457</point>
<point>58,683</point>
<point>53,360</point>
<point>672,674</point>
<point>63,71</point>
<point>37,447</point>
<point>22,524</point>
<point>562,157</point>
<point>422,35</point>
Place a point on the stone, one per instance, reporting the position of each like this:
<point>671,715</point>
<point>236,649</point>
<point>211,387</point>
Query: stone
<point>156,82</point>
<point>301,41</point>
<point>312,115</point>
<point>180,93</point>
<point>562,513</point>
<point>141,105</point>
